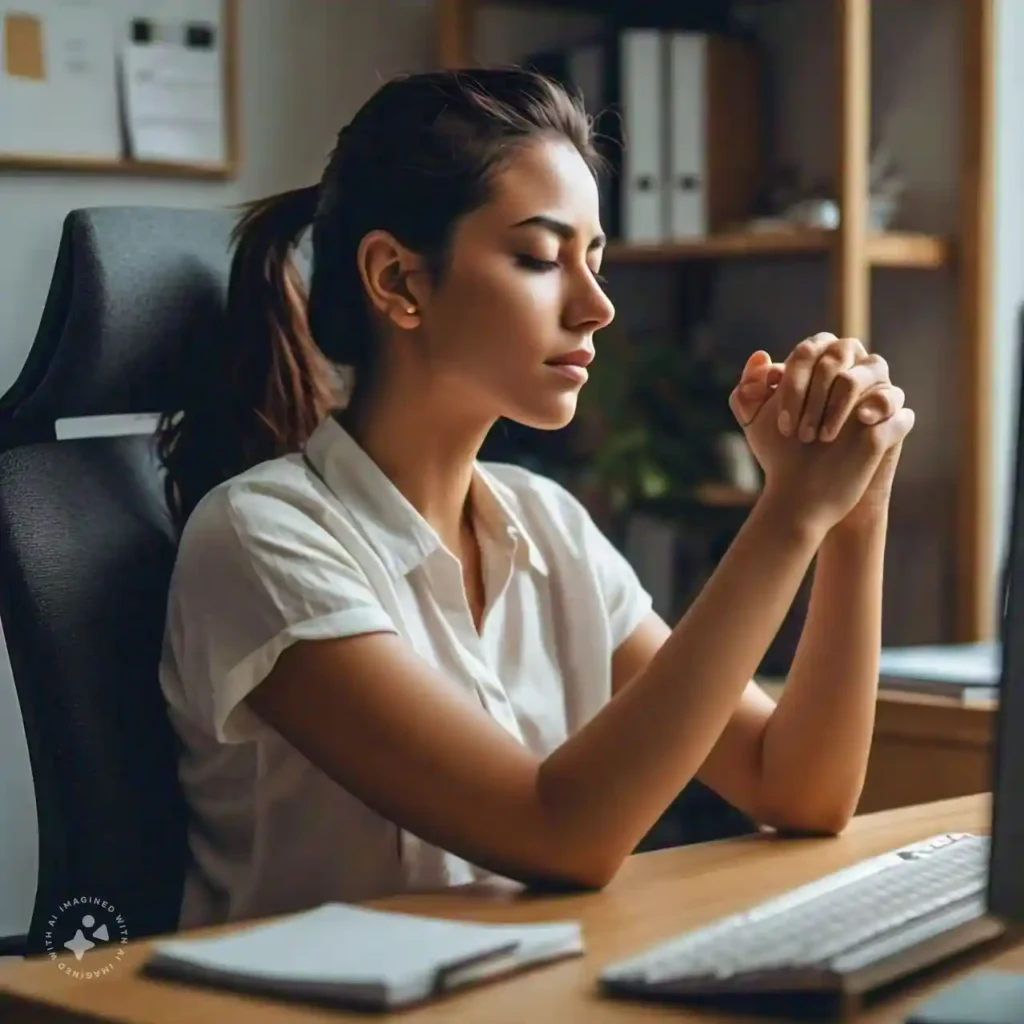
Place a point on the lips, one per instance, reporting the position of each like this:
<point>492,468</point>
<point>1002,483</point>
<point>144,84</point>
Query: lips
<point>581,357</point>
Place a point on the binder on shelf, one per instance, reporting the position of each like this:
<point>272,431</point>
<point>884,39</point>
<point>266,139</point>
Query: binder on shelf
<point>713,134</point>
<point>686,180</point>
<point>642,196</point>
<point>677,119</point>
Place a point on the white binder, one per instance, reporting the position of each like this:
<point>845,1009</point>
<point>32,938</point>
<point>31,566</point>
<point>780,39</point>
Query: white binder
<point>687,136</point>
<point>641,57</point>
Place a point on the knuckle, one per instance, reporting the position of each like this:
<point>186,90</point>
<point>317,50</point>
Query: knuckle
<point>806,349</point>
<point>845,383</point>
<point>878,364</point>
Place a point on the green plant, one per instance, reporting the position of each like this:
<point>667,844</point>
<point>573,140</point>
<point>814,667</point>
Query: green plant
<point>650,418</point>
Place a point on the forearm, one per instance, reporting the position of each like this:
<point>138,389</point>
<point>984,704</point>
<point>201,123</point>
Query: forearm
<point>817,740</point>
<point>628,763</point>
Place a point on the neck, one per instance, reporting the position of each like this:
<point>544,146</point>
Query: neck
<point>426,451</point>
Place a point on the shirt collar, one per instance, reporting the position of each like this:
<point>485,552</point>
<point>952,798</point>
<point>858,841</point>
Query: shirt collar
<point>494,508</point>
<point>396,531</point>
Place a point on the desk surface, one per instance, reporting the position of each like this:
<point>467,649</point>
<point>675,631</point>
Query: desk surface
<point>655,895</point>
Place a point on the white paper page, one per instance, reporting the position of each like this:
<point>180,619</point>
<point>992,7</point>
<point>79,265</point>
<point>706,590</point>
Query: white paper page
<point>339,943</point>
<point>174,107</point>
<point>968,664</point>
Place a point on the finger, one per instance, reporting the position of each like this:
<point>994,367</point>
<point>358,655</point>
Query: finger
<point>891,432</point>
<point>747,400</point>
<point>799,367</point>
<point>881,403</point>
<point>848,391</point>
<point>832,369</point>
<point>755,364</point>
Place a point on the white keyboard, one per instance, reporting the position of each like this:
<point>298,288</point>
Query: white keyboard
<point>852,922</point>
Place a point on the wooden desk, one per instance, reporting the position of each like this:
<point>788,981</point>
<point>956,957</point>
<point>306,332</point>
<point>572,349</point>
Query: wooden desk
<point>925,748</point>
<point>654,896</point>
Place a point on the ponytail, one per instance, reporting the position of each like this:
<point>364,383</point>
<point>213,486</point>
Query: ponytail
<point>266,385</point>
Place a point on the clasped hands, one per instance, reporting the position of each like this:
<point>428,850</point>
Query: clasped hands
<point>827,428</point>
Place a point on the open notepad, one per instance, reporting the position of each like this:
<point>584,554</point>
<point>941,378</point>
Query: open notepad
<point>360,957</point>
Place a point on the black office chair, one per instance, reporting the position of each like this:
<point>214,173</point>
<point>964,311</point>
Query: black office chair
<point>86,553</point>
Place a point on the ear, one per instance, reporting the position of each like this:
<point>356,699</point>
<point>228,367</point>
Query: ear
<point>388,269</point>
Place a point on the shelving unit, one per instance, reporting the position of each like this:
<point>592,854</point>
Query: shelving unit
<point>893,249</point>
<point>853,252</point>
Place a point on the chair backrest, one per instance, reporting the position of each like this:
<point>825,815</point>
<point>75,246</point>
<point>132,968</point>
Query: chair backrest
<point>86,551</point>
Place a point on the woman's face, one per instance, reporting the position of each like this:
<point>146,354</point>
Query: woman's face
<point>510,328</point>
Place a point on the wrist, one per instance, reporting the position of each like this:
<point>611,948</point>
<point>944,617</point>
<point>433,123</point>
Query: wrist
<point>862,526</point>
<point>785,518</point>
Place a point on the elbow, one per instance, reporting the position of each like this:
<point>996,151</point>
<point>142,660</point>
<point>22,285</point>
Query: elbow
<point>813,808</point>
<point>824,821</point>
<point>573,873</point>
<point>596,877</point>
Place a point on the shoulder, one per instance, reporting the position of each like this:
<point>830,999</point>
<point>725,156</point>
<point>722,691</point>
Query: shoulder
<point>276,507</point>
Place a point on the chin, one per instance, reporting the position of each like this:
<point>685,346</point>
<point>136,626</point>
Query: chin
<point>553,415</point>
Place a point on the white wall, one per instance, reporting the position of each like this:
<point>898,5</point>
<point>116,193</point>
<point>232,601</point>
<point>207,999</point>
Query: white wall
<point>305,66</point>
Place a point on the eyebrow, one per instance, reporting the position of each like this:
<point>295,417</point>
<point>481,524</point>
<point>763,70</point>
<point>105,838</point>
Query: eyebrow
<point>559,227</point>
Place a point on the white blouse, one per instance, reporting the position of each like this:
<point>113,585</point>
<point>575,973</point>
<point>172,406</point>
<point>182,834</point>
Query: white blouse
<point>326,546</point>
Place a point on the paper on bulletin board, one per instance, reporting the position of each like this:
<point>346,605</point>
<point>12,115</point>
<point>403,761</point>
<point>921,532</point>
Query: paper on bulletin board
<point>58,80</point>
<point>174,107</point>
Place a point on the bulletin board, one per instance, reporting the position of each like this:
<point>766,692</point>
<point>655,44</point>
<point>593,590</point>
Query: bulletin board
<point>146,87</point>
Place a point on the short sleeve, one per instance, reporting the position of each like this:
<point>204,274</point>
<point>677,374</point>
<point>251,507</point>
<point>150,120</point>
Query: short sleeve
<point>255,573</point>
<point>626,600</point>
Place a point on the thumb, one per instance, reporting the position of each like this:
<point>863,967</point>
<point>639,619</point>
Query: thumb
<point>754,389</point>
<point>747,398</point>
<point>757,360</point>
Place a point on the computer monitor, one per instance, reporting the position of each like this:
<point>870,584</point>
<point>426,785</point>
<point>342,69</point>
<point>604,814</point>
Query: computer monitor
<point>1006,866</point>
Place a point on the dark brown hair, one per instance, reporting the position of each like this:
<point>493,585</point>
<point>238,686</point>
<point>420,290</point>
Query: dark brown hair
<point>419,155</point>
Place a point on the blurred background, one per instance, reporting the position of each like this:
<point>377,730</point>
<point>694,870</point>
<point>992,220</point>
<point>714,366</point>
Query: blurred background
<point>762,134</point>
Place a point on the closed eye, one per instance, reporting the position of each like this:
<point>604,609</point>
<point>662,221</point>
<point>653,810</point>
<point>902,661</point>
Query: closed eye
<point>532,263</point>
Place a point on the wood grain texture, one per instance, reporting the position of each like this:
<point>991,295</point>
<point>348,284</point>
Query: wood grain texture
<point>975,586</point>
<point>654,896</point>
<point>851,279</point>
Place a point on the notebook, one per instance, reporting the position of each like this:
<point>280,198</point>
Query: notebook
<point>967,671</point>
<point>359,957</point>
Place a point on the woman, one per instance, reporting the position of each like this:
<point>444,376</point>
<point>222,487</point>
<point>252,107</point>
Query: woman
<point>395,668</point>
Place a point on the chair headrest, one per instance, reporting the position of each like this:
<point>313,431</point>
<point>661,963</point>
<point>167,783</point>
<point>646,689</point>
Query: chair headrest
<point>132,288</point>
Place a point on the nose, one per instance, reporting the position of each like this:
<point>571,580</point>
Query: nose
<point>590,308</point>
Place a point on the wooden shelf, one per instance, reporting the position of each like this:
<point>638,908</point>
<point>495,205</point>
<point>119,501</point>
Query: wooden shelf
<point>894,249</point>
<point>904,249</point>
<point>646,9</point>
<point>852,254</point>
